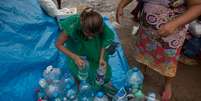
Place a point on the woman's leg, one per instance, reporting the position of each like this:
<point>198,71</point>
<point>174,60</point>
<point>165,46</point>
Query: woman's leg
<point>167,93</point>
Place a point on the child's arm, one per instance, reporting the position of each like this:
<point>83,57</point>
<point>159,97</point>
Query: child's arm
<point>194,10</point>
<point>102,60</point>
<point>121,5</point>
<point>60,45</point>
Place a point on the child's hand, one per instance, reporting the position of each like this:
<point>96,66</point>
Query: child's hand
<point>102,63</point>
<point>167,29</point>
<point>79,62</point>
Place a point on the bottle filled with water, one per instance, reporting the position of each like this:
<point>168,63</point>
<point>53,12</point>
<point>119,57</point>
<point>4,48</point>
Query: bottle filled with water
<point>83,71</point>
<point>135,79</point>
<point>86,92</point>
<point>54,90</point>
<point>51,73</point>
<point>100,76</point>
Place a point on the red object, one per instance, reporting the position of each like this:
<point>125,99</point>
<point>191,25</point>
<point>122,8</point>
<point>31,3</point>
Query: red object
<point>40,99</point>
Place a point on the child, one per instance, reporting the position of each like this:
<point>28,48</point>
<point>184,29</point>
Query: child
<point>161,35</point>
<point>86,34</point>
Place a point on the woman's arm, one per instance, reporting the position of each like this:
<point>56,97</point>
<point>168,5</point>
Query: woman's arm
<point>60,45</point>
<point>121,5</point>
<point>194,10</point>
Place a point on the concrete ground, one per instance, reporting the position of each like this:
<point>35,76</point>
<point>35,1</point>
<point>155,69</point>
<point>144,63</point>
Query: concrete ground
<point>186,84</point>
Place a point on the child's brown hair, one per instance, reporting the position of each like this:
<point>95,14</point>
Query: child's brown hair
<point>91,22</point>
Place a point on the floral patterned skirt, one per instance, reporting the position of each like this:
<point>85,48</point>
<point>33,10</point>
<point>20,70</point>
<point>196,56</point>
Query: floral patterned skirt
<point>152,53</point>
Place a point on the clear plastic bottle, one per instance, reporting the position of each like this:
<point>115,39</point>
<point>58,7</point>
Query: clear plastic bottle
<point>51,74</point>
<point>151,96</point>
<point>67,81</point>
<point>100,97</point>
<point>135,79</point>
<point>86,92</point>
<point>100,76</point>
<point>121,95</point>
<point>83,71</point>
<point>54,89</point>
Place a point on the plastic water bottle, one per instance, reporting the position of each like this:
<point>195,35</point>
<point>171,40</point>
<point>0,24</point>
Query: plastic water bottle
<point>151,96</point>
<point>100,97</point>
<point>100,76</point>
<point>68,81</point>
<point>83,71</point>
<point>86,93</point>
<point>43,83</point>
<point>139,96</point>
<point>51,74</point>
<point>71,94</point>
<point>135,79</point>
<point>121,95</point>
<point>54,89</point>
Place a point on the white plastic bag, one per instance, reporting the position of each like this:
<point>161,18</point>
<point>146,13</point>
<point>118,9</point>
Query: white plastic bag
<point>49,7</point>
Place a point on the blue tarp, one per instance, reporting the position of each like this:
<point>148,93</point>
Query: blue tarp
<point>27,37</point>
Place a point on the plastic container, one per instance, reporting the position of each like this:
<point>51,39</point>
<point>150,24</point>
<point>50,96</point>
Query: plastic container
<point>86,92</point>
<point>83,71</point>
<point>100,76</point>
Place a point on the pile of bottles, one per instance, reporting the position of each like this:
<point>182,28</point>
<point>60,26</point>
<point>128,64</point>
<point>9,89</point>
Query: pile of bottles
<point>58,86</point>
<point>133,89</point>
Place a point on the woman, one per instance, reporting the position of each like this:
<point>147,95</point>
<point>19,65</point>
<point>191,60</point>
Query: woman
<point>161,35</point>
<point>87,35</point>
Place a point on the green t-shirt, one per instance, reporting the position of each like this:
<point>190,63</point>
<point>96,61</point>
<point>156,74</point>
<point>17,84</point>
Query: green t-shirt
<point>79,44</point>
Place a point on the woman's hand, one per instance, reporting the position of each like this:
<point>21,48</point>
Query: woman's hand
<point>119,13</point>
<point>78,61</point>
<point>120,8</point>
<point>167,29</point>
<point>102,63</point>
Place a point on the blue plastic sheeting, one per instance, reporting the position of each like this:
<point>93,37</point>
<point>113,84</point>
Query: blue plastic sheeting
<point>27,37</point>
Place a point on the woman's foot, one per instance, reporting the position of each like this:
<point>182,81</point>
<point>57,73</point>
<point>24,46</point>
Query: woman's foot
<point>167,93</point>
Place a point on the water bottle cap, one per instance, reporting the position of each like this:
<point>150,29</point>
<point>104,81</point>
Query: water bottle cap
<point>100,94</point>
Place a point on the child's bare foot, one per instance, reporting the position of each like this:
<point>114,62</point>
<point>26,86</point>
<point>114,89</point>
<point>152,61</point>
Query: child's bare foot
<point>167,93</point>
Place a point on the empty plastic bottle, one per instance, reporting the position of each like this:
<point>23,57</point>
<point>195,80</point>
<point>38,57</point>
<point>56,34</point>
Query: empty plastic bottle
<point>71,94</point>
<point>135,79</point>
<point>100,97</point>
<point>139,96</point>
<point>68,81</point>
<point>121,95</point>
<point>51,73</point>
<point>151,96</point>
<point>83,71</point>
<point>100,76</point>
<point>54,89</point>
<point>86,92</point>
